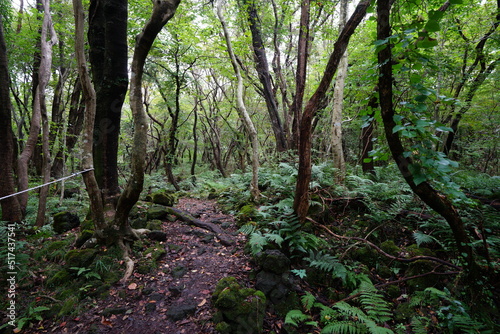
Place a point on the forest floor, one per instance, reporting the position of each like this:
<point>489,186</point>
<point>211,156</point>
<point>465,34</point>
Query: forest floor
<point>160,302</point>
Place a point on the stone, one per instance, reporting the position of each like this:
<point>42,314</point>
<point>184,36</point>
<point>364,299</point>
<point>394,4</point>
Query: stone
<point>179,271</point>
<point>274,261</point>
<point>179,312</point>
<point>162,197</point>
<point>157,235</point>
<point>65,221</point>
<point>80,258</point>
<point>157,212</point>
<point>84,236</point>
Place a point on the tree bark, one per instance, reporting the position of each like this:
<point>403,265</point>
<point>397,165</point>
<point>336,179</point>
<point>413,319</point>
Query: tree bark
<point>242,111</point>
<point>301,73</point>
<point>11,209</point>
<point>367,164</point>
<point>438,202</point>
<point>262,67</point>
<point>44,77</point>
<point>301,200</point>
<point>109,63</point>
<point>89,96</point>
<point>338,99</point>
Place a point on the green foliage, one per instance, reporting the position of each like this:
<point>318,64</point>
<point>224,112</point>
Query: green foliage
<point>343,317</point>
<point>327,263</point>
<point>453,315</point>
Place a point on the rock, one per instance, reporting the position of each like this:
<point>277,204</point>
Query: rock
<point>80,258</point>
<point>162,197</point>
<point>65,221</point>
<point>180,312</point>
<point>179,271</point>
<point>157,212</point>
<point>155,224</point>
<point>157,235</point>
<point>84,236</point>
<point>150,307</point>
<point>175,290</point>
<point>274,261</point>
<point>59,279</point>
<point>241,309</point>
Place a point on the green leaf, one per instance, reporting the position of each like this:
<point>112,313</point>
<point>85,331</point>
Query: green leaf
<point>432,26</point>
<point>398,128</point>
<point>427,42</point>
<point>456,2</point>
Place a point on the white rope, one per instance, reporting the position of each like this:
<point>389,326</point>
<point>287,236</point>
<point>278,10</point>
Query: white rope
<point>63,178</point>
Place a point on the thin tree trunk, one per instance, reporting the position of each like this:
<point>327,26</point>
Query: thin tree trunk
<point>89,96</point>
<point>261,64</point>
<point>338,99</point>
<point>438,202</point>
<point>44,76</point>
<point>11,209</point>
<point>301,200</point>
<point>367,163</point>
<point>250,128</point>
<point>301,73</point>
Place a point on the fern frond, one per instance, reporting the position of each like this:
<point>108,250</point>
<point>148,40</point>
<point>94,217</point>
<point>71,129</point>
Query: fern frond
<point>422,238</point>
<point>295,317</point>
<point>274,237</point>
<point>418,326</point>
<point>344,327</point>
<point>373,303</point>
<point>257,242</point>
<point>328,263</point>
<point>248,229</point>
<point>308,301</point>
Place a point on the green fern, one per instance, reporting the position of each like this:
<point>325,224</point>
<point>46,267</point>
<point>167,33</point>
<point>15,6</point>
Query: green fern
<point>373,302</point>
<point>327,263</point>
<point>295,317</point>
<point>343,327</point>
<point>308,301</point>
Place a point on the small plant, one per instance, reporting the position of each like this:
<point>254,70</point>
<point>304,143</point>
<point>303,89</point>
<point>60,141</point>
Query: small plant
<point>343,317</point>
<point>86,273</point>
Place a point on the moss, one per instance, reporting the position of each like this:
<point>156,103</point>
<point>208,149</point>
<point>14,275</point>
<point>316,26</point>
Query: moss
<point>403,312</point>
<point>393,291</point>
<point>242,309</point>
<point>414,250</point>
<point>366,255</point>
<point>68,306</point>
<point>418,268</point>
<point>247,213</point>
<point>390,248</point>
<point>60,278</point>
<point>154,225</point>
<point>223,327</point>
<point>80,258</point>
<point>87,224</point>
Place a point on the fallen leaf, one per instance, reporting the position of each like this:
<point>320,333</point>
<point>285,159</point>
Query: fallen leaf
<point>62,324</point>
<point>202,302</point>
<point>205,292</point>
<point>17,330</point>
<point>132,286</point>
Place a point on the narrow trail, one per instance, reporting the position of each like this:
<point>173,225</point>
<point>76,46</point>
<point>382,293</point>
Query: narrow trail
<point>174,298</point>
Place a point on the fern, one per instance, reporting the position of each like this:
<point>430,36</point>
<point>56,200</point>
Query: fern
<point>327,263</point>
<point>343,327</point>
<point>258,242</point>
<point>308,301</point>
<point>295,317</point>
<point>374,304</point>
<point>422,238</point>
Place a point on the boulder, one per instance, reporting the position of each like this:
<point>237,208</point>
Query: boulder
<point>65,221</point>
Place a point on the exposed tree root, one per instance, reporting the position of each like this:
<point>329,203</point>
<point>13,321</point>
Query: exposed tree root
<point>188,218</point>
<point>380,251</point>
<point>129,263</point>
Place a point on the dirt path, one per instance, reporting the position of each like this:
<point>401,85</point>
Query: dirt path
<point>175,297</point>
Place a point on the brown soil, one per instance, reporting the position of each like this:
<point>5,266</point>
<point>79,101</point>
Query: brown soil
<point>145,303</point>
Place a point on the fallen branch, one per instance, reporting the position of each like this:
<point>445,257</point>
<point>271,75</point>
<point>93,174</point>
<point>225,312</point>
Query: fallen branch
<point>380,251</point>
<point>188,218</point>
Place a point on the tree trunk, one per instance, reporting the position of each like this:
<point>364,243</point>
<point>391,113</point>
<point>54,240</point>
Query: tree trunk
<point>338,99</point>
<point>11,209</point>
<point>243,113</point>
<point>367,163</point>
<point>438,202</point>
<point>301,73</point>
<point>109,63</point>
<point>301,200</point>
<point>44,77</point>
<point>89,96</point>
<point>261,64</point>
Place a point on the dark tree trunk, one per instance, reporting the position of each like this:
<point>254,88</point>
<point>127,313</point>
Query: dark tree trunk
<point>301,200</point>
<point>11,209</point>
<point>301,73</point>
<point>367,163</point>
<point>261,64</point>
<point>109,60</point>
<point>438,202</point>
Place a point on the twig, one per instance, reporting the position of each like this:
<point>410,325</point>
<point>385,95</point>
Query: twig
<point>392,257</point>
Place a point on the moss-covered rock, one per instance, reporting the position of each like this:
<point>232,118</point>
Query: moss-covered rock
<point>154,225</point>
<point>247,213</point>
<point>273,261</point>
<point>157,212</point>
<point>241,309</point>
<point>68,306</point>
<point>80,258</point>
<point>60,278</point>
<point>65,221</point>
<point>390,248</point>
<point>83,237</point>
<point>162,197</point>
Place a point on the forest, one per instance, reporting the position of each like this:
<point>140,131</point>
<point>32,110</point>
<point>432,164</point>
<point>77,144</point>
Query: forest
<point>246,166</point>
